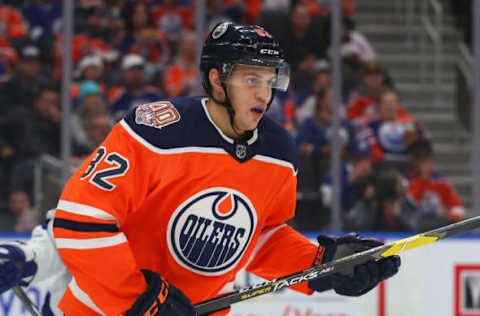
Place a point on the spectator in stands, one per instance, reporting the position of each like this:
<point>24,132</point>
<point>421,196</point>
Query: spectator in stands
<point>179,78</point>
<point>92,39</point>
<point>314,138</point>
<point>436,200</point>
<point>90,21</point>
<point>134,90</point>
<point>355,48</point>
<point>314,134</point>
<point>355,179</point>
<point>321,81</point>
<point>172,18</point>
<point>27,217</point>
<point>91,102</point>
<point>12,23</point>
<point>17,215</point>
<point>303,43</point>
<point>152,45</point>
<point>143,39</point>
<point>90,68</point>
<point>383,205</point>
<point>364,98</point>
<point>323,75</point>
<point>29,133</point>
<point>292,108</point>
<point>392,131</point>
<point>136,18</point>
<point>44,18</point>
<point>308,49</point>
<point>26,80</point>
<point>43,135</point>
<point>113,21</point>
<point>97,127</point>
<point>7,217</point>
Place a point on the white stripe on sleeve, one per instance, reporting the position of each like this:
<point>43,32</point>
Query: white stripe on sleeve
<point>261,241</point>
<point>85,210</point>
<point>90,243</point>
<point>83,297</point>
<point>228,288</point>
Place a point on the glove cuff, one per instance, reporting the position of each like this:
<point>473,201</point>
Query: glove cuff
<point>326,249</point>
<point>23,257</point>
<point>25,253</point>
<point>155,285</point>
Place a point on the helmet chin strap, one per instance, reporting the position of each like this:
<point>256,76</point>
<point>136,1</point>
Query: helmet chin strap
<point>231,112</point>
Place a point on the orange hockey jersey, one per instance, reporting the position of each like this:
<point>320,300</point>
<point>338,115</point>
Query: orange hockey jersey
<point>169,192</point>
<point>436,196</point>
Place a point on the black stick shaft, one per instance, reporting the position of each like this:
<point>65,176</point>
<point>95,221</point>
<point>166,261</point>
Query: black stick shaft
<point>344,264</point>
<point>26,301</point>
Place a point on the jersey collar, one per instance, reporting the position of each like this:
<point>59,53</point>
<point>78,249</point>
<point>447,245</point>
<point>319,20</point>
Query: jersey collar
<point>230,140</point>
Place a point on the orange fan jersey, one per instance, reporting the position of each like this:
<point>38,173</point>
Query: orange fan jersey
<point>178,81</point>
<point>365,106</point>
<point>169,192</point>
<point>436,193</point>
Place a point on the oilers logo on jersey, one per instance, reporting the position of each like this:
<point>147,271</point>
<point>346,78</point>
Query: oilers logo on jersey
<point>391,136</point>
<point>210,231</point>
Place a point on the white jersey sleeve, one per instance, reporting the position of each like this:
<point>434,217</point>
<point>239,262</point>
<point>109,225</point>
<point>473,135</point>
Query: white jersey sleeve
<point>50,266</point>
<point>46,256</point>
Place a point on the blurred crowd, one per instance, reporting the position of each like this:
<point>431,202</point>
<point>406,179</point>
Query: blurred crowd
<point>126,53</point>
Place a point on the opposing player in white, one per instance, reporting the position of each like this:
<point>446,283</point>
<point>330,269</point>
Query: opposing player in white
<point>31,262</point>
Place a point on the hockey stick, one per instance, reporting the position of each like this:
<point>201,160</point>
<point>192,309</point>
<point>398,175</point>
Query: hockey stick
<point>23,296</point>
<point>26,301</point>
<point>343,265</point>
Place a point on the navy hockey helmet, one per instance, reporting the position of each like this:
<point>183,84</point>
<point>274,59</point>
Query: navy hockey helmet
<point>230,44</point>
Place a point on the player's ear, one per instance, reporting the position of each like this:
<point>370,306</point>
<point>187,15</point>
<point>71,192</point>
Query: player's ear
<point>214,78</point>
<point>217,88</point>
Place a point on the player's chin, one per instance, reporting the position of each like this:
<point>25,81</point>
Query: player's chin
<point>254,123</point>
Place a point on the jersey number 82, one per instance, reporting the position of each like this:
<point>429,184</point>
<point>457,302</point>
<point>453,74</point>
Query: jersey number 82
<point>100,178</point>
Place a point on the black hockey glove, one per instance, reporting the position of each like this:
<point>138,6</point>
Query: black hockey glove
<point>161,299</point>
<point>364,277</point>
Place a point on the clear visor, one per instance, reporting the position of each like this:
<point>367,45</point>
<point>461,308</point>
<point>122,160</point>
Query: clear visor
<point>259,76</point>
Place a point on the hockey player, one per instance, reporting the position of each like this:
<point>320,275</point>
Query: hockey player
<point>185,192</point>
<point>31,262</point>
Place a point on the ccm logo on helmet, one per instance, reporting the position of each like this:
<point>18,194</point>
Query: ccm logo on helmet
<point>209,232</point>
<point>269,51</point>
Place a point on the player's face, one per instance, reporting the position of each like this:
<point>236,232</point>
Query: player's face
<point>249,89</point>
